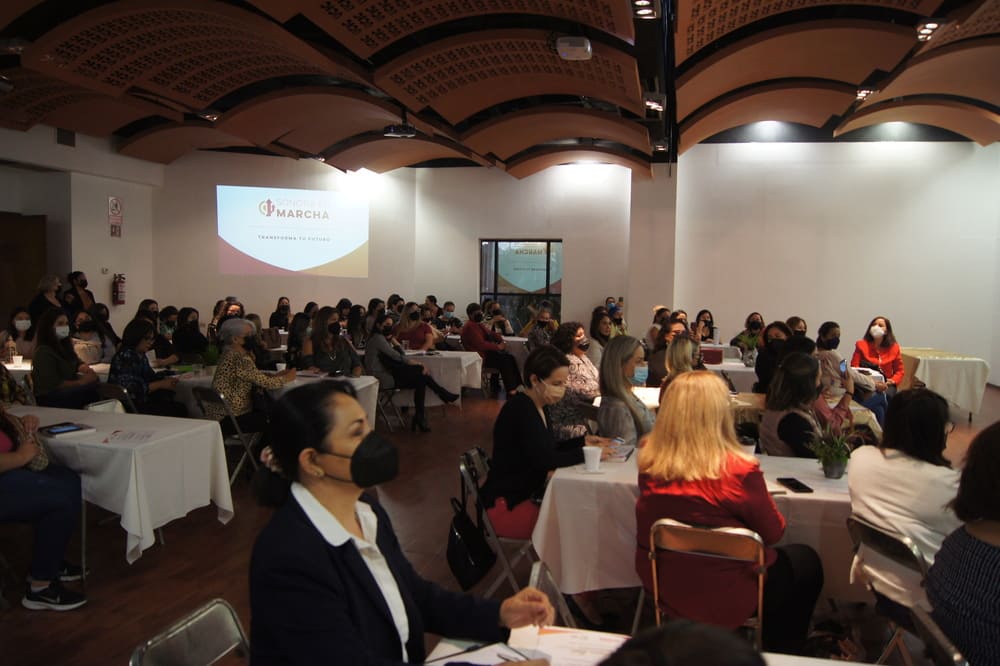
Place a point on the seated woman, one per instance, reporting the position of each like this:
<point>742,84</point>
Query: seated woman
<point>683,355</point>
<point>789,423</point>
<point>60,378</point>
<point>704,326</point>
<point>298,333</point>
<point>130,369</point>
<point>963,585</point>
<point>747,339</point>
<point>618,324</point>
<point>797,325</point>
<point>329,583</point>
<point>878,350</point>
<point>658,358</point>
<point>621,413</point>
<point>427,311</point>
<point>498,322</point>
<point>189,343</point>
<point>525,451</point>
<point>543,329</point>
<point>357,334</point>
<point>331,352</point>
<point>17,330</point>
<point>491,347</point>
<point>661,315</point>
<point>693,470</point>
<point>212,330</point>
<point>32,490</point>
<point>100,314</point>
<point>569,415</point>
<point>282,315</point>
<point>47,298</point>
<point>413,333</point>
<point>600,335</point>
<point>236,377</point>
<point>89,343</point>
<point>385,360</point>
<point>904,486</point>
<point>773,340</point>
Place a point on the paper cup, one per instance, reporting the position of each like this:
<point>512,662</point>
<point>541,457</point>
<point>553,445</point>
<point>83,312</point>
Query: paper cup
<point>592,458</point>
<point>280,366</point>
<point>16,359</point>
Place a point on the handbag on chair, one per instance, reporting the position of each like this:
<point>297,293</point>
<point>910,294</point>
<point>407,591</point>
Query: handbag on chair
<point>469,555</point>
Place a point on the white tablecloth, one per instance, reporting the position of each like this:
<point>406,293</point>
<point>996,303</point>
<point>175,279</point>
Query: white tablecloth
<point>586,528</point>
<point>450,369</point>
<point>960,379</point>
<point>742,376</point>
<point>182,466</point>
<point>365,387</point>
<point>518,347</point>
<point>19,370</point>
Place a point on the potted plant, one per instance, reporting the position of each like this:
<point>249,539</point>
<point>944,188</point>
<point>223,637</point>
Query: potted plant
<point>748,345</point>
<point>833,452</point>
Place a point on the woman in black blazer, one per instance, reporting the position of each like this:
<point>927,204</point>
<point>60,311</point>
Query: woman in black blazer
<point>329,583</point>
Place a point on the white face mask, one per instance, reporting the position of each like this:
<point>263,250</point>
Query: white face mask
<point>62,332</point>
<point>553,393</point>
<point>22,324</point>
<point>877,331</point>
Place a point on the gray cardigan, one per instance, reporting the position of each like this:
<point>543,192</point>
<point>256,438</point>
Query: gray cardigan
<point>378,343</point>
<point>615,420</point>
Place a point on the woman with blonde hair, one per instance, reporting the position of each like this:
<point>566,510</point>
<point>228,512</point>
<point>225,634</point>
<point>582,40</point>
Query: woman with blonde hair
<point>691,469</point>
<point>683,355</point>
<point>621,413</point>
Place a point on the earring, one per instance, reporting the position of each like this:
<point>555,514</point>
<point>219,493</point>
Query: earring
<point>319,472</point>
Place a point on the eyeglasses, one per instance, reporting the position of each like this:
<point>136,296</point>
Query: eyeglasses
<point>949,428</point>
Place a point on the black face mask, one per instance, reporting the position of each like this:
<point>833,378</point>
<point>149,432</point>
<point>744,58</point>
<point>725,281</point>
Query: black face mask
<point>83,284</point>
<point>497,313</point>
<point>284,309</point>
<point>415,315</point>
<point>250,343</point>
<point>387,330</point>
<point>775,346</point>
<point>755,326</point>
<point>477,316</point>
<point>87,326</point>
<point>801,334</point>
<point>583,345</point>
<point>334,328</point>
<point>375,461</point>
<point>708,324</point>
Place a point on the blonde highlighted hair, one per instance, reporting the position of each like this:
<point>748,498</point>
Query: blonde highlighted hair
<point>694,434</point>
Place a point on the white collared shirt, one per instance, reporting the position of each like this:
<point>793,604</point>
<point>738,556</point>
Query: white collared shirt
<point>335,535</point>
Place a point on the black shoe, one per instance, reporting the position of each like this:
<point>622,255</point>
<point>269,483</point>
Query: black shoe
<point>419,422</point>
<point>54,597</point>
<point>447,396</point>
<point>70,572</point>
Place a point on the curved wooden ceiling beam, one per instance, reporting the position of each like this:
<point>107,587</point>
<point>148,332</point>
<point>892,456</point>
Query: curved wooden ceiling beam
<point>462,75</point>
<point>966,22</point>
<point>165,144</point>
<point>368,27</point>
<point>309,119</point>
<point>515,132</point>
<point>381,154</point>
<point>812,104</point>
<point>189,51</point>
<point>957,69</point>
<point>971,121</point>
<point>702,22</point>
<point>544,158</point>
<point>837,50</point>
<point>13,9</point>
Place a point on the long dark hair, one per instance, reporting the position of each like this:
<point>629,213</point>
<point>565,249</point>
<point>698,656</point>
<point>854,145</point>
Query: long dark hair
<point>915,424</point>
<point>595,325</point>
<point>300,420</point>
<point>143,309</point>
<point>321,327</point>
<point>12,328</point>
<point>47,335</point>
<point>794,382</point>
<point>888,339</point>
<point>977,490</point>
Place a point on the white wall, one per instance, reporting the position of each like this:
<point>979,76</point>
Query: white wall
<point>584,205</point>
<point>651,246</point>
<point>845,232</point>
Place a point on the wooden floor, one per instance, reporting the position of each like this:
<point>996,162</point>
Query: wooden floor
<point>203,559</point>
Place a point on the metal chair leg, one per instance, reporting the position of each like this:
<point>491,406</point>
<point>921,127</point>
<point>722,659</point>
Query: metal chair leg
<point>638,610</point>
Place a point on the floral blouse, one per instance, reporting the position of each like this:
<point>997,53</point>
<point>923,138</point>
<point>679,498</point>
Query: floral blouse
<point>131,370</point>
<point>568,416</point>
<point>235,378</point>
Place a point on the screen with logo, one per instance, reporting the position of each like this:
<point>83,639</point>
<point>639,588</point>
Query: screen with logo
<point>273,231</point>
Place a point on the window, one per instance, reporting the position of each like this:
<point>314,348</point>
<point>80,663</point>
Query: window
<point>519,275</point>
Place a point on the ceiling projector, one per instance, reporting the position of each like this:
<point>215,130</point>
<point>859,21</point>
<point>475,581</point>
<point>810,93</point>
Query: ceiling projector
<point>574,48</point>
<point>400,131</point>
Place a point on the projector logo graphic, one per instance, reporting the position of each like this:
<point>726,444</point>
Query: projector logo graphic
<point>266,208</point>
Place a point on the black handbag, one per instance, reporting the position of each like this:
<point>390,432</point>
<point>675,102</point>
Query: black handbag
<point>469,555</point>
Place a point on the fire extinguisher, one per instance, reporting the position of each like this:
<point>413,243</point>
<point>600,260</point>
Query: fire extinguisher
<point>118,289</point>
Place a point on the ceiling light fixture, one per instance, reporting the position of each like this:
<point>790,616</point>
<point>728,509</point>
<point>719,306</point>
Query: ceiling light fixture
<point>927,28</point>
<point>865,93</point>
<point>646,9</point>
<point>574,48</point>
<point>209,115</point>
<point>654,101</point>
<point>661,146</point>
<point>403,130</point>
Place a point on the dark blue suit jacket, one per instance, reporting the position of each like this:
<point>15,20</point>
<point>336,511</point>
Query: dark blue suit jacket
<point>312,603</point>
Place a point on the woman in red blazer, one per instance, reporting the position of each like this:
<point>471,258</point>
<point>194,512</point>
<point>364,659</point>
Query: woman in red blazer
<point>692,469</point>
<point>879,350</point>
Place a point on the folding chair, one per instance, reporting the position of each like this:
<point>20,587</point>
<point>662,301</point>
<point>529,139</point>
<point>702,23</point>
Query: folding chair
<point>939,647</point>
<point>901,550</point>
<point>489,377</point>
<point>110,406</point>
<point>204,396</point>
<point>119,393</point>
<point>541,579</point>
<point>728,543</point>
<point>199,639</point>
<point>385,403</point>
<point>472,466</point>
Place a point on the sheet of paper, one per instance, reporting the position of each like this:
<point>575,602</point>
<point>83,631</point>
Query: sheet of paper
<point>565,647</point>
<point>497,653</point>
<point>129,437</point>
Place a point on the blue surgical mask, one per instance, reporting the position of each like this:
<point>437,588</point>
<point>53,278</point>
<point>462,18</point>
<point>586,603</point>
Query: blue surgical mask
<point>640,375</point>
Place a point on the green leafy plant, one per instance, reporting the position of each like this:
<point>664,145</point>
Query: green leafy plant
<point>830,447</point>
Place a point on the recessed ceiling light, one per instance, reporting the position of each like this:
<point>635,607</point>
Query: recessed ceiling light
<point>644,12</point>
<point>932,25</point>
<point>642,3</point>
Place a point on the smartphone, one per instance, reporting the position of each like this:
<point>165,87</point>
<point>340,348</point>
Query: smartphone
<point>843,367</point>
<point>62,428</point>
<point>794,485</point>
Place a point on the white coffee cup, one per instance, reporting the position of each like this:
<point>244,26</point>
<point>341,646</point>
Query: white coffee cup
<point>750,449</point>
<point>16,359</point>
<point>592,458</point>
<point>280,366</point>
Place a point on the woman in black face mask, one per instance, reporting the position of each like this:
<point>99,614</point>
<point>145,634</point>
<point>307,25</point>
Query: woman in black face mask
<point>749,337</point>
<point>386,361</point>
<point>330,352</point>
<point>412,332</point>
<point>772,345</point>
<point>282,315</point>
<point>569,415</point>
<point>329,582</point>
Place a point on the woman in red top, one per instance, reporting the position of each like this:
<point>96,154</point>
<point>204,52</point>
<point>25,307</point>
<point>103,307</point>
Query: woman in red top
<point>415,333</point>
<point>692,469</point>
<point>879,350</point>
